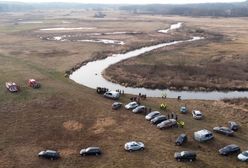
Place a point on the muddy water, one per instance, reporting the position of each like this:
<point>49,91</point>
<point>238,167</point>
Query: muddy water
<point>90,75</point>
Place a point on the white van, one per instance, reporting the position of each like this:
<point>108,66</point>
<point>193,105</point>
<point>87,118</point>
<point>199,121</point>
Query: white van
<point>203,135</point>
<point>112,95</point>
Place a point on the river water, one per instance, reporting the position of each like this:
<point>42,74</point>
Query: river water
<point>90,75</point>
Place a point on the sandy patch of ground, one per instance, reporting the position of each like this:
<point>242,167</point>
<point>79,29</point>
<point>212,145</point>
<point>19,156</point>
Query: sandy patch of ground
<point>101,123</point>
<point>72,125</point>
<point>67,152</point>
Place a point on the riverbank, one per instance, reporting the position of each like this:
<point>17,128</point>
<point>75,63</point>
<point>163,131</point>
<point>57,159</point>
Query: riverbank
<point>218,65</point>
<point>103,55</point>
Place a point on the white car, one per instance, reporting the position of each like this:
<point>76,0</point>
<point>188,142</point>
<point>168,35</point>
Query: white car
<point>112,95</point>
<point>134,146</point>
<point>131,105</point>
<point>197,114</point>
<point>152,115</point>
<point>139,109</point>
<point>243,156</point>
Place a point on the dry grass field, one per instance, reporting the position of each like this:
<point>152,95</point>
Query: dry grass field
<point>65,116</point>
<point>207,65</point>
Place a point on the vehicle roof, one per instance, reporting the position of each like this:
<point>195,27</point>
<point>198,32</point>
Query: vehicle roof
<point>183,135</point>
<point>117,103</point>
<point>188,153</point>
<point>140,107</point>
<point>197,112</point>
<point>51,151</point>
<point>154,112</point>
<point>225,128</point>
<point>133,102</point>
<point>112,91</point>
<point>231,146</point>
<point>232,122</point>
<point>131,142</point>
<point>160,116</point>
<point>203,132</point>
<point>93,147</point>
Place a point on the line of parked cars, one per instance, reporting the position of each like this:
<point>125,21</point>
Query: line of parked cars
<point>92,151</point>
<point>162,122</point>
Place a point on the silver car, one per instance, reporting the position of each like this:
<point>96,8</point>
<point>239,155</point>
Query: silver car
<point>167,124</point>
<point>197,114</point>
<point>134,146</point>
<point>224,131</point>
<point>243,156</point>
<point>139,109</point>
<point>152,115</point>
<point>131,105</point>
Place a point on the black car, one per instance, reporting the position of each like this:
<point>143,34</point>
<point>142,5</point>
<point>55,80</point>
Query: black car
<point>223,130</point>
<point>91,151</point>
<point>233,125</point>
<point>185,155</point>
<point>158,119</point>
<point>101,90</point>
<point>116,105</point>
<point>49,154</point>
<point>229,149</point>
<point>181,139</point>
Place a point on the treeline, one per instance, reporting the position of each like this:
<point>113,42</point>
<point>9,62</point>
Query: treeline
<point>18,7</point>
<point>208,9</point>
<point>14,7</point>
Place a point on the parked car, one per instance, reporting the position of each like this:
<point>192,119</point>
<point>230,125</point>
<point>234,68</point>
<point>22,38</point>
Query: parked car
<point>101,90</point>
<point>12,87</point>
<point>131,105</point>
<point>183,109</point>
<point>181,139</point>
<point>224,131</point>
<point>229,149</point>
<point>185,155</point>
<point>152,115</point>
<point>134,146</point>
<point>116,105</point>
<point>112,95</point>
<point>243,156</point>
<point>167,124</point>
<point>203,135</point>
<point>49,154</point>
<point>91,151</point>
<point>233,125</point>
<point>197,114</point>
<point>33,83</point>
<point>158,119</point>
<point>139,109</point>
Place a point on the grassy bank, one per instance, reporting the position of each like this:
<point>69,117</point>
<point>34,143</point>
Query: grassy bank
<point>212,64</point>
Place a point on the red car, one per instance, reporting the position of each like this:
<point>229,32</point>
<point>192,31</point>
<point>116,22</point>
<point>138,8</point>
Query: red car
<point>12,87</point>
<point>33,83</point>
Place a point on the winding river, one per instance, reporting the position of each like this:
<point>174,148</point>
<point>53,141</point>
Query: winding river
<point>90,75</point>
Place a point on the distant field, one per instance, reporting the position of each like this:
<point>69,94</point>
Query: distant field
<point>205,65</point>
<point>65,116</point>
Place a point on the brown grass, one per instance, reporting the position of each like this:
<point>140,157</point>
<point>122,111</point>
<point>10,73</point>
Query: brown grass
<point>214,64</point>
<point>67,117</point>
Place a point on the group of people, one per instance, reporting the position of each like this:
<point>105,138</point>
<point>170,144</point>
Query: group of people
<point>120,91</point>
<point>172,116</point>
